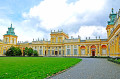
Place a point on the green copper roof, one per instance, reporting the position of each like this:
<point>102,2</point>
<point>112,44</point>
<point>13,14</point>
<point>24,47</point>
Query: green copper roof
<point>112,17</point>
<point>11,31</point>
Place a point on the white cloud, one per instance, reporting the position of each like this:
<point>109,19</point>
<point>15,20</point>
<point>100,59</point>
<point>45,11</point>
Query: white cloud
<point>90,31</point>
<point>26,33</point>
<point>54,13</point>
<point>51,14</point>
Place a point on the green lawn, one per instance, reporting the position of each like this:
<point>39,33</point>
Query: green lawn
<point>33,67</point>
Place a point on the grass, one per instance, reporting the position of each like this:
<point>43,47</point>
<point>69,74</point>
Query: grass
<point>33,67</point>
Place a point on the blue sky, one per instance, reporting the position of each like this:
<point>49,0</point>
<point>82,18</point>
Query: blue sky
<point>36,18</point>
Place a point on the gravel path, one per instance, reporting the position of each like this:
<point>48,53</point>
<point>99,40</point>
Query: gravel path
<point>92,68</point>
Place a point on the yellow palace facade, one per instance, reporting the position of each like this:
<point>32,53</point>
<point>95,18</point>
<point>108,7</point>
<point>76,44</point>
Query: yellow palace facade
<point>61,45</point>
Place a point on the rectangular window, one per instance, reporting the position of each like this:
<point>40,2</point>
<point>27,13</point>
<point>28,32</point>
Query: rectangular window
<point>52,52</point>
<point>63,52</point>
<point>119,41</point>
<point>49,52</point>
<point>56,39</point>
<point>59,52</point>
<point>60,40</point>
<point>40,47</point>
<point>98,49</point>
<point>4,51</point>
<point>35,47</point>
<point>53,41</point>
<point>75,51</point>
<point>68,51</point>
<point>40,51</point>
<point>1,49</point>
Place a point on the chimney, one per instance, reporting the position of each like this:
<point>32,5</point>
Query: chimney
<point>89,37</point>
<point>71,37</point>
<point>38,39</point>
<point>78,37</point>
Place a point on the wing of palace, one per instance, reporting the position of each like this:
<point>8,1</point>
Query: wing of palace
<point>61,45</point>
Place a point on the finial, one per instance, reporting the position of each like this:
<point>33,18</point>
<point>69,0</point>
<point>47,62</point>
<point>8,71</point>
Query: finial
<point>89,37</point>
<point>11,25</point>
<point>78,36</point>
<point>38,39</point>
<point>86,38</point>
<point>96,37</point>
<point>112,10</point>
<point>58,30</point>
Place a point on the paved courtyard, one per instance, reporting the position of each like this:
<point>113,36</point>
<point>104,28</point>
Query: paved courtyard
<point>92,68</point>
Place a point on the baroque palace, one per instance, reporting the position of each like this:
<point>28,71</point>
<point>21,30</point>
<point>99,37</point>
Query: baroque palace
<point>61,45</point>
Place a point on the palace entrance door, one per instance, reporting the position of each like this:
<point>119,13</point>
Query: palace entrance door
<point>45,53</point>
<point>56,53</point>
<point>93,49</point>
<point>93,53</point>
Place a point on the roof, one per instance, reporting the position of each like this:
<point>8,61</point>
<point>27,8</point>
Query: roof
<point>10,31</point>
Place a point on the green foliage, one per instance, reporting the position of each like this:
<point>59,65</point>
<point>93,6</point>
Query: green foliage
<point>28,51</point>
<point>114,60</point>
<point>13,51</point>
<point>18,51</point>
<point>35,53</point>
<point>33,67</point>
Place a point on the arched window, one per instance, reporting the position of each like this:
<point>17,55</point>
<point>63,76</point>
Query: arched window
<point>82,47</point>
<point>104,51</point>
<point>82,50</point>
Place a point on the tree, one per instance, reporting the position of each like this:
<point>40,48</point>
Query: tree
<point>18,51</point>
<point>13,51</point>
<point>30,51</point>
<point>35,53</point>
<point>26,51</point>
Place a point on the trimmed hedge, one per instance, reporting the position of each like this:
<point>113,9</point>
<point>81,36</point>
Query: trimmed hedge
<point>115,60</point>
